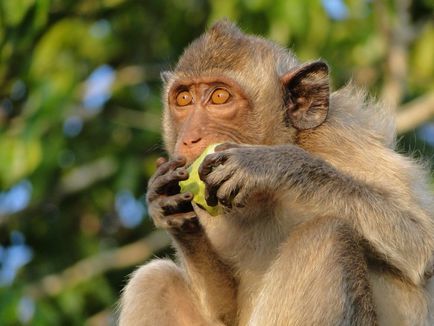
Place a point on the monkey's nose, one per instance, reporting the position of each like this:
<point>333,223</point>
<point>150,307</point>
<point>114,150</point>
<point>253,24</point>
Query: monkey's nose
<point>192,141</point>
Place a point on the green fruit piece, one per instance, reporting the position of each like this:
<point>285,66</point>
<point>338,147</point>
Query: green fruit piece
<point>196,186</point>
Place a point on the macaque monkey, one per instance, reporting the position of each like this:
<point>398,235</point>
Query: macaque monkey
<point>322,222</point>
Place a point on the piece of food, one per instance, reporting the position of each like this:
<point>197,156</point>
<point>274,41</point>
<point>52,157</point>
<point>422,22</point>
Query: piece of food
<point>196,186</point>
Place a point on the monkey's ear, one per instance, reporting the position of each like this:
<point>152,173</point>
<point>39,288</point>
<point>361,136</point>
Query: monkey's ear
<point>166,76</point>
<point>307,88</point>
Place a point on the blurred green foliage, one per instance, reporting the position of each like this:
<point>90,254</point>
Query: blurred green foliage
<point>79,121</point>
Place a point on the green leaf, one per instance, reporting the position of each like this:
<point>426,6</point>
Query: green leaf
<point>18,159</point>
<point>15,10</point>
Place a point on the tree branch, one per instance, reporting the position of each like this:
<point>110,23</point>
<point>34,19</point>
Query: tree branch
<point>415,113</point>
<point>138,120</point>
<point>104,317</point>
<point>397,36</point>
<point>131,254</point>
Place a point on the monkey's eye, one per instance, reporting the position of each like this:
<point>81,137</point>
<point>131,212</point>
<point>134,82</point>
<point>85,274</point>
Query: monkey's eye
<point>220,96</point>
<point>183,98</point>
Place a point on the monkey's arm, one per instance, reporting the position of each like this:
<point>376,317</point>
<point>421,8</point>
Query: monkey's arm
<point>400,233</point>
<point>210,279</point>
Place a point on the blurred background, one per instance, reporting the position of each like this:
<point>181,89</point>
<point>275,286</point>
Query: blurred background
<point>80,125</point>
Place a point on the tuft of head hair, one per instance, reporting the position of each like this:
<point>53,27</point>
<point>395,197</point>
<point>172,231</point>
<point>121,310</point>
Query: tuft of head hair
<point>224,47</point>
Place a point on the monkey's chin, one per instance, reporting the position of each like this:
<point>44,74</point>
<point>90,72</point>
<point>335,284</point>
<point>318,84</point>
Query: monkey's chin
<point>196,186</point>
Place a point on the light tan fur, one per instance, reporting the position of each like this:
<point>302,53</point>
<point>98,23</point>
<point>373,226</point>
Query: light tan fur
<point>354,221</point>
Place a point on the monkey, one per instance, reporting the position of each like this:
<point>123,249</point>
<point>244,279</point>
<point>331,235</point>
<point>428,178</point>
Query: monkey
<point>321,221</point>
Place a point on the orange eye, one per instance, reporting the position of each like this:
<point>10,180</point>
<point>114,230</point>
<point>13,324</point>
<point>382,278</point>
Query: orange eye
<point>183,98</point>
<point>220,96</point>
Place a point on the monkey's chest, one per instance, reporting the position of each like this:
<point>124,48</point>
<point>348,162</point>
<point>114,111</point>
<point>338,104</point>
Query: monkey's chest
<point>249,247</point>
<point>243,243</point>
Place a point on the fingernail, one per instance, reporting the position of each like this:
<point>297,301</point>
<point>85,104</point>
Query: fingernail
<point>188,195</point>
<point>160,161</point>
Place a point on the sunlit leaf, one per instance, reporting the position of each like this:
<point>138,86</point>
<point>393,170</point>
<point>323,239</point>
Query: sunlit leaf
<point>42,8</point>
<point>223,9</point>
<point>18,158</point>
<point>56,52</point>
<point>15,10</point>
<point>422,71</point>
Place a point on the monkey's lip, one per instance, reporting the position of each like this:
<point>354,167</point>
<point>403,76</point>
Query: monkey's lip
<point>207,148</point>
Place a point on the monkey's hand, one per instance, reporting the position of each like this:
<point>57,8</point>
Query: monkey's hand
<point>235,174</point>
<point>167,207</point>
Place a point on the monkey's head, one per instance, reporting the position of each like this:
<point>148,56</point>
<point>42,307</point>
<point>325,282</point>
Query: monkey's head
<point>233,87</point>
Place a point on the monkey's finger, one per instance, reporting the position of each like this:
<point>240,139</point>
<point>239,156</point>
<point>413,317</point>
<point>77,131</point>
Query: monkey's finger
<point>211,195</point>
<point>183,223</point>
<point>160,161</point>
<point>162,183</point>
<point>171,165</point>
<point>227,192</point>
<point>180,203</point>
<point>226,146</point>
<point>210,162</point>
<point>166,184</point>
<point>151,196</point>
<point>239,198</point>
<point>213,183</point>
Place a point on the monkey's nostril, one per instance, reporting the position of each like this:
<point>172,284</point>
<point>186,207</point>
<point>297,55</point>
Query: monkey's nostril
<point>192,141</point>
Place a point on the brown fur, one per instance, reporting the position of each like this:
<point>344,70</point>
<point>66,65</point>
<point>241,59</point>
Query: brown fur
<point>337,228</point>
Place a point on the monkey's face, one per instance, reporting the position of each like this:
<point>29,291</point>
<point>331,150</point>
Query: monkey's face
<point>207,110</point>
<point>226,88</point>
